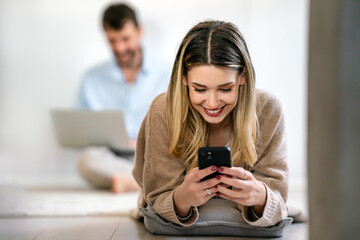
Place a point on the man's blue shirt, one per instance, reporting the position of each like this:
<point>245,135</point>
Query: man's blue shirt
<point>105,88</point>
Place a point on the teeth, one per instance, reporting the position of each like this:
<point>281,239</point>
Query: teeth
<point>214,111</point>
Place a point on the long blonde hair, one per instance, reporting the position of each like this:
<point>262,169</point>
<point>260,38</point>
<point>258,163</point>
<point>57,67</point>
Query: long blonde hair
<point>220,44</point>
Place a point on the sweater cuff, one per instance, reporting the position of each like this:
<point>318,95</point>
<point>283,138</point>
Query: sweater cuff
<point>272,214</point>
<point>167,211</point>
<point>187,217</point>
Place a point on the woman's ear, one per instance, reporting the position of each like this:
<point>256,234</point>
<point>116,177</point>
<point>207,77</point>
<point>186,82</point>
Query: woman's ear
<point>242,78</point>
<point>184,80</point>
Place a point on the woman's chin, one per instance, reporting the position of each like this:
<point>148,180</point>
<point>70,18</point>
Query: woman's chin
<point>213,120</point>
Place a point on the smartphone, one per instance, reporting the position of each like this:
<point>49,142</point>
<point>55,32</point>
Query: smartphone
<point>218,156</point>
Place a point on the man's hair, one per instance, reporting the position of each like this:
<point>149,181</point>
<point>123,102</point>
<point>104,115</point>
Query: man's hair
<point>116,15</point>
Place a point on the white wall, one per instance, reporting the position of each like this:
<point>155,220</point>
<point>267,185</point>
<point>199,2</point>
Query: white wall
<point>46,45</point>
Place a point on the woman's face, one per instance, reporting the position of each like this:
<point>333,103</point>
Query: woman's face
<point>213,91</point>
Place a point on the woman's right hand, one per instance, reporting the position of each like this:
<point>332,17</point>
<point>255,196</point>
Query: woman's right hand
<point>192,192</point>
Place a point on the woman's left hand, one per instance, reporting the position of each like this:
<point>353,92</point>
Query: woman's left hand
<point>246,189</point>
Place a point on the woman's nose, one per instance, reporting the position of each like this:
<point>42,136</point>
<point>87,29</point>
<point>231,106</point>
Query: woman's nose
<point>212,101</point>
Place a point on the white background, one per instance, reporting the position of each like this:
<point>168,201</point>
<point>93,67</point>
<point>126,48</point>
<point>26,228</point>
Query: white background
<point>46,45</point>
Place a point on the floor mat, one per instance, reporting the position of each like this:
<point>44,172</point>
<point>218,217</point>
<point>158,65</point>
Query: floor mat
<point>19,202</point>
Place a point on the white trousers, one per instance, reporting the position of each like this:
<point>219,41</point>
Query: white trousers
<point>98,165</point>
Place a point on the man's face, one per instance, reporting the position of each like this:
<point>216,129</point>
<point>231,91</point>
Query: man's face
<point>125,43</point>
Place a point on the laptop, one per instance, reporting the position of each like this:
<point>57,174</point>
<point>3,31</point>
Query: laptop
<point>83,128</point>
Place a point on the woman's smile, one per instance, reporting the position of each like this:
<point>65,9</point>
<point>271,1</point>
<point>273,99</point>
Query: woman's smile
<point>213,112</point>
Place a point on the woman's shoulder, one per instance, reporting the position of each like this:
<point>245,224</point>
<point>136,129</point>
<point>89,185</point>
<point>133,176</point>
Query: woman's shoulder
<point>158,105</point>
<point>267,103</point>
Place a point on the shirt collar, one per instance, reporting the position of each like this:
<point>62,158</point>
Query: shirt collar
<point>146,61</point>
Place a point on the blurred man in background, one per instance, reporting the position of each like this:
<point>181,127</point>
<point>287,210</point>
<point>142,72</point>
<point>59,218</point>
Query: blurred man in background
<point>128,82</point>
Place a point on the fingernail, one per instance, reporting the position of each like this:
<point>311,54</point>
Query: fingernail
<point>220,169</point>
<point>217,177</point>
<point>229,176</point>
<point>214,168</point>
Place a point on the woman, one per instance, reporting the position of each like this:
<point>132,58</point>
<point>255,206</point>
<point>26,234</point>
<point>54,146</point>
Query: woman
<point>212,101</point>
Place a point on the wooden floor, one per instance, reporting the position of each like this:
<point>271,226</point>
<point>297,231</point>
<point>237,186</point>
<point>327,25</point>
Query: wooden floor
<point>100,227</point>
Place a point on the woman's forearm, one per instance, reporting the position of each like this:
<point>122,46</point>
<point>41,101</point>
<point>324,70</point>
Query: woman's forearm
<point>181,208</point>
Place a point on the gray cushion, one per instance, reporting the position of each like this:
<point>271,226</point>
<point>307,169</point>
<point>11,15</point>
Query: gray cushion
<point>218,217</point>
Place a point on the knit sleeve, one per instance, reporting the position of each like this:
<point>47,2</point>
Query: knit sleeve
<point>271,167</point>
<point>158,172</point>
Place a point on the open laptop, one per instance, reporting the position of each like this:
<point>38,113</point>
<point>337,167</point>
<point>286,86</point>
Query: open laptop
<point>83,128</point>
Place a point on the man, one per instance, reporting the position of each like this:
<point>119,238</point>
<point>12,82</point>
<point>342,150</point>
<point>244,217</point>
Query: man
<point>129,82</point>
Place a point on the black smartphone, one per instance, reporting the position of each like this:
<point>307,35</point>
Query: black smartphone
<point>218,156</point>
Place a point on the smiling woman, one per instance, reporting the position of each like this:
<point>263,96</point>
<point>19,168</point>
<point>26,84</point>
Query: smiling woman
<point>213,91</point>
<point>212,101</point>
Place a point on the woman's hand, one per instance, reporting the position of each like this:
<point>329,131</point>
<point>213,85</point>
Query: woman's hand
<point>246,189</point>
<point>193,192</point>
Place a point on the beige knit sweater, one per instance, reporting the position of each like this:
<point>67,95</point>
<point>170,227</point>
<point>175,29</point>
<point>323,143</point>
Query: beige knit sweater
<point>159,173</point>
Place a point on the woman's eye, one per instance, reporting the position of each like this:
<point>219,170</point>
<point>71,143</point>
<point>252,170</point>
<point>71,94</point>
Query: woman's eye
<point>199,90</point>
<point>226,89</point>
